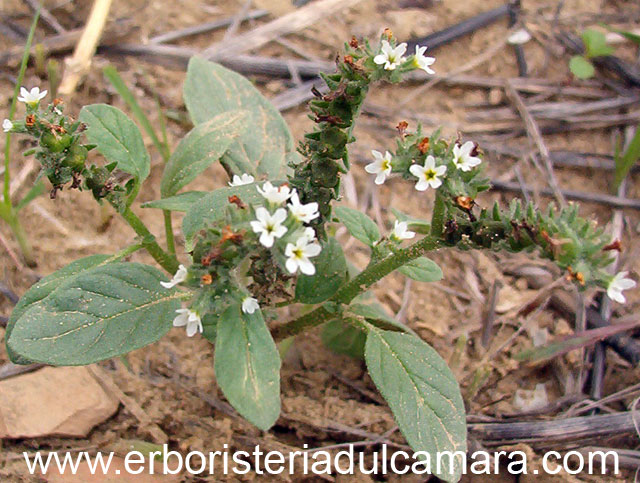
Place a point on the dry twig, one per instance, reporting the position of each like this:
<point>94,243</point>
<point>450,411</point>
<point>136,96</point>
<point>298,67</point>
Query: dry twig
<point>79,64</point>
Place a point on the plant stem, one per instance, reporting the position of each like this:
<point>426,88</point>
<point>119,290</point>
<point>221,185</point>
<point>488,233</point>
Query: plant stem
<point>21,238</point>
<point>358,285</point>
<point>437,218</point>
<point>167,261</point>
<point>9,214</point>
<point>168,229</point>
<point>12,109</point>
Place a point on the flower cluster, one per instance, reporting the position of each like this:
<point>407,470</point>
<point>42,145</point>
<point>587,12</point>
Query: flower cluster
<point>301,245</point>
<point>266,244</point>
<point>391,57</point>
<point>317,177</point>
<point>454,170</point>
<point>59,150</point>
<point>429,162</point>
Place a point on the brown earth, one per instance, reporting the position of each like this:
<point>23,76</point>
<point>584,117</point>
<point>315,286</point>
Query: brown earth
<point>169,378</point>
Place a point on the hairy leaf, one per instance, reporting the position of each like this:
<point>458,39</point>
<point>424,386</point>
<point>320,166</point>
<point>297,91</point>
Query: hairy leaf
<point>359,225</point>
<point>180,202</point>
<point>117,138</point>
<point>43,289</point>
<point>111,73</point>
<point>266,146</point>
<point>205,144</point>
<point>343,337</point>
<point>376,314</point>
<point>100,313</point>
<point>212,208</point>
<point>247,366</point>
<point>331,272</point>
<point>422,269</point>
<point>422,393</point>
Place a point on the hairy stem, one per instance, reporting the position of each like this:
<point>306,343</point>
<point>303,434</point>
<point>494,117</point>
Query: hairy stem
<point>358,285</point>
<point>168,230</point>
<point>437,218</point>
<point>165,260</point>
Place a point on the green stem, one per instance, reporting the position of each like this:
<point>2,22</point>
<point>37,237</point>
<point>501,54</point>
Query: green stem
<point>21,238</point>
<point>437,218</point>
<point>168,229</point>
<point>167,261</point>
<point>358,285</point>
<point>12,109</point>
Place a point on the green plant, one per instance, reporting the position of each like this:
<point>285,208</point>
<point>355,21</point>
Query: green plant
<point>265,242</point>
<point>9,211</point>
<point>595,45</point>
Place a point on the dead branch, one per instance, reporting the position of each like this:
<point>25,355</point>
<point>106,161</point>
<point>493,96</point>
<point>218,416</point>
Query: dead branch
<point>555,431</point>
<point>291,22</point>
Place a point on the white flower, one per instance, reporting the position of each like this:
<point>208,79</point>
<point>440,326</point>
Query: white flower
<point>617,285</point>
<point>250,305</point>
<point>401,232</point>
<point>519,37</point>
<point>270,226</point>
<point>274,194</point>
<point>179,277</point>
<point>7,125</point>
<point>422,61</point>
<point>381,166</point>
<point>31,97</point>
<point>428,175</point>
<point>303,213</point>
<point>390,57</point>
<point>298,255</point>
<point>462,157</point>
<point>309,233</point>
<point>241,180</point>
<point>189,319</point>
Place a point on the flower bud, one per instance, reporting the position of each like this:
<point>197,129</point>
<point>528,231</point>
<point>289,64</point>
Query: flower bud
<point>76,157</point>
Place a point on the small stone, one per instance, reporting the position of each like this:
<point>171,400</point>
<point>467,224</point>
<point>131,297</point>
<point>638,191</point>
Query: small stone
<point>61,401</point>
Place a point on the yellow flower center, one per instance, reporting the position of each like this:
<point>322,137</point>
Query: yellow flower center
<point>430,174</point>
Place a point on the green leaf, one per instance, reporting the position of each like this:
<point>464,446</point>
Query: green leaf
<point>117,138</point>
<point>422,269</point>
<point>348,335</point>
<point>39,292</point>
<point>209,326</point>
<point>422,393</point>
<point>211,208</point>
<point>581,67</point>
<point>205,144</point>
<point>102,312</point>
<point>415,224</point>
<point>625,162</point>
<point>111,73</point>
<point>36,190</point>
<point>247,366</point>
<point>376,314</point>
<point>359,225</point>
<point>180,202</point>
<point>266,147</point>
<point>595,44</point>
<point>331,272</point>
<point>343,337</point>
